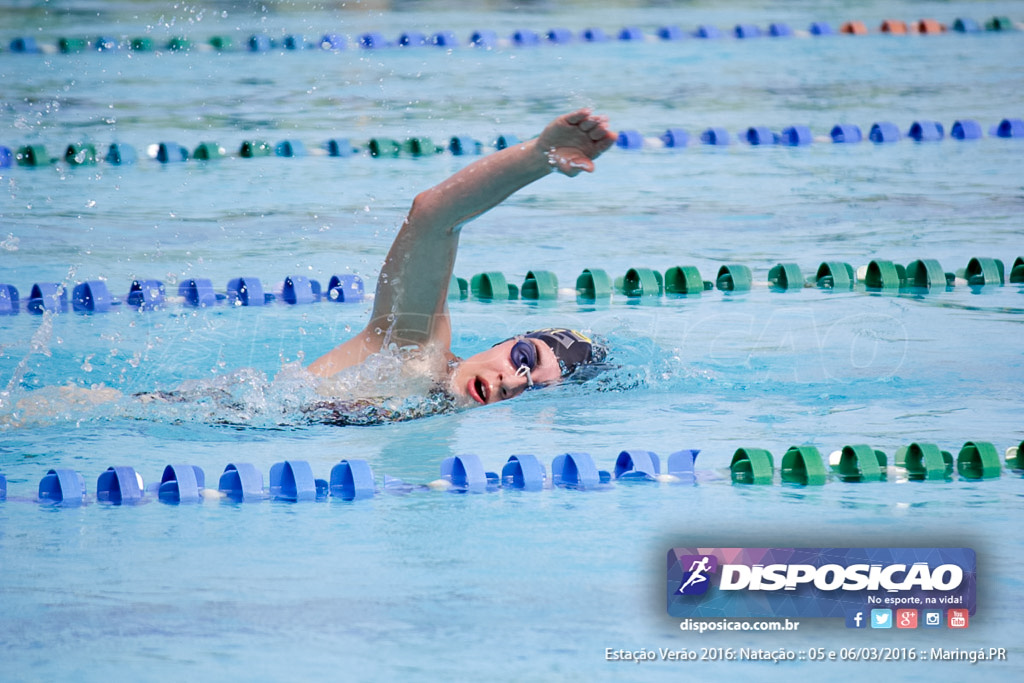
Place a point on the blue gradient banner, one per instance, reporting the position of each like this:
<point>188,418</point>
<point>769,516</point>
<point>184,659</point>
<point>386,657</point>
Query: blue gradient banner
<point>818,582</point>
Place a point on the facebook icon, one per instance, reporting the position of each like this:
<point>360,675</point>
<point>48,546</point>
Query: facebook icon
<point>856,619</point>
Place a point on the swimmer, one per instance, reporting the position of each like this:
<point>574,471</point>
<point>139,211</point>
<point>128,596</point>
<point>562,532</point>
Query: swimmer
<point>410,310</point>
<point>408,337</point>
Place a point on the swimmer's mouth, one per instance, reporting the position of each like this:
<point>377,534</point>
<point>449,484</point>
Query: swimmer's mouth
<point>478,390</point>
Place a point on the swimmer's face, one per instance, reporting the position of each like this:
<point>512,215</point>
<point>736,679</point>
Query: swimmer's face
<point>492,376</point>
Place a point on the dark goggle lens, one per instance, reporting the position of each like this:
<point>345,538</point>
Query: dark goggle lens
<point>523,354</point>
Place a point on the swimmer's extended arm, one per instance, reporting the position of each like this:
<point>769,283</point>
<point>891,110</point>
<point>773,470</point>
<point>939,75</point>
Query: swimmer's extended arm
<point>411,307</point>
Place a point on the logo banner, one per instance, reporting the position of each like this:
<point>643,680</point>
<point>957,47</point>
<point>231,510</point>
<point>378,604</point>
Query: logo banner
<point>817,582</point>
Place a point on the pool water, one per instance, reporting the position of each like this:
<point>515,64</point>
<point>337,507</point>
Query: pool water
<point>506,585</point>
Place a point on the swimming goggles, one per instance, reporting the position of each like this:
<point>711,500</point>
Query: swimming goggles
<point>524,358</point>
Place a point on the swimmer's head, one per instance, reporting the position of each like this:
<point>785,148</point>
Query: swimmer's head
<point>532,360</point>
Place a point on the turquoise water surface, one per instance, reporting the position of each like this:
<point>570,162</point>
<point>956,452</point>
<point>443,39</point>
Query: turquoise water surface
<point>506,585</point>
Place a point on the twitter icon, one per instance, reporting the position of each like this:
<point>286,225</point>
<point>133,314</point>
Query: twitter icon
<point>881,618</point>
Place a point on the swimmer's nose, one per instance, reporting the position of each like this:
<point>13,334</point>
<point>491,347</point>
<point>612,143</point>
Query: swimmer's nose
<point>511,385</point>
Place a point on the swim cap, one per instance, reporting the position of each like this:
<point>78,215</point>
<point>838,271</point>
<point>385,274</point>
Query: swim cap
<point>572,349</point>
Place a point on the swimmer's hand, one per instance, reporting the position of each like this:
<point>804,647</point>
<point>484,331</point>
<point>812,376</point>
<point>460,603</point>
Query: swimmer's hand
<point>572,141</point>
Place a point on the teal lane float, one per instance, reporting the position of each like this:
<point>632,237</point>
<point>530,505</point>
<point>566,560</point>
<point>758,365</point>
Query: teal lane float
<point>352,479</point>
<point>593,285</point>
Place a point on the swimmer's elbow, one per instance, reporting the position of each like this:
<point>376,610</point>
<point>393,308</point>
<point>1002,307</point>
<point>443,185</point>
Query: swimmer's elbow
<point>431,213</point>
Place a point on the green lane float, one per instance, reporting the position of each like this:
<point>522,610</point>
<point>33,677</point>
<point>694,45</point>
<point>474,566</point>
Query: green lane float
<point>835,275</point>
<point>978,460</point>
<point>384,147</point>
<point>420,147</point>
<point>927,462</point>
<point>255,148</point>
<point>71,45</point>
<point>492,286</point>
<point>458,288</point>
<point>884,276</point>
<point>80,154</point>
<point>141,45</point>
<point>985,271</point>
<point>925,274</point>
<point>1015,457</point>
<point>179,44</point>
<point>540,285</point>
<point>1017,272</point>
<point>752,466</point>
<point>221,43</point>
<point>999,24</point>
<point>684,280</point>
<point>734,277</point>
<point>861,463</point>
<point>594,284</point>
<point>803,465</point>
<point>641,282</point>
<point>208,151</point>
<point>785,276</point>
<point>33,155</point>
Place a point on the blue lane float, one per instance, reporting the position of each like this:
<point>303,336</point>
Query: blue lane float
<point>821,28</point>
<point>630,139</point>
<point>25,45</point>
<point>523,472</point>
<point>120,154</point>
<point>444,39</point>
<point>884,131</point>
<point>715,136</point>
<point>6,157</point>
<point>290,148</point>
<point>293,480</point>
<point>91,297</point>
<point>675,137</point>
<point>760,135</point>
<point>559,36</point>
<point>637,464</point>
<point>373,41</point>
<point>346,289</point>
<point>198,292</point>
<point>577,471</point>
<point>845,133</point>
<point>181,484</point>
<point>299,290</point>
<point>118,485</point>
<point>146,295</point>
<point>1009,128</point>
<point>245,291</point>
<point>62,487</point>
<point>8,299</point>
<point>707,31</point>
<point>671,32</point>
<point>594,35</point>
<point>170,153</point>
<point>966,129</point>
<point>744,31</point>
<point>463,145</point>
<point>339,147</point>
<point>47,297</point>
<point>926,131</point>
<point>332,42</point>
<point>3,487</point>
<point>631,33</point>
<point>525,38</point>
<point>796,136</point>
<point>412,39</point>
<point>779,30</point>
<point>241,482</point>
<point>681,465</point>
<point>466,474</point>
<point>352,480</point>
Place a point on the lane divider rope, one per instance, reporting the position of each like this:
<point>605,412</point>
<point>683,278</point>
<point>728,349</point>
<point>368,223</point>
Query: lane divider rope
<point>353,479</point>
